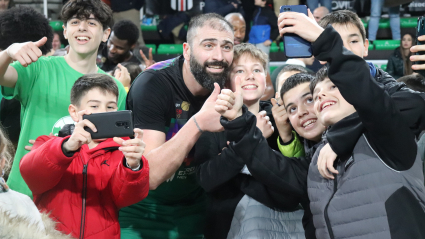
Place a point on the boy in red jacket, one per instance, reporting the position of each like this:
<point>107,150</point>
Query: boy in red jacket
<point>84,182</point>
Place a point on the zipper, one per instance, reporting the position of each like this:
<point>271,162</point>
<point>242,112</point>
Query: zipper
<point>84,194</point>
<point>328,223</point>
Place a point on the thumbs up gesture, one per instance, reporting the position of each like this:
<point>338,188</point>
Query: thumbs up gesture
<point>229,104</point>
<point>27,52</point>
<point>207,118</point>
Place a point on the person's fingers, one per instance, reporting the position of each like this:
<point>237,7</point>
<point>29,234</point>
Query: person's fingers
<point>31,54</point>
<point>41,42</point>
<point>214,94</point>
<point>310,15</point>
<point>138,133</point>
<point>421,38</point>
<point>228,98</point>
<point>27,59</point>
<point>287,23</point>
<point>131,149</point>
<point>89,124</point>
<point>150,55</point>
<point>81,113</point>
<point>118,140</point>
<point>220,108</point>
<point>330,166</point>
<point>274,102</point>
<point>28,148</point>
<point>21,61</point>
<point>267,118</point>
<point>31,141</point>
<point>224,103</point>
<point>287,30</point>
<point>262,113</point>
<point>145,59</point>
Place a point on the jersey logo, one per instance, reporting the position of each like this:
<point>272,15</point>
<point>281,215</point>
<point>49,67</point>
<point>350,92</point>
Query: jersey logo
<point>60,123</point>
<point>104,162</point>
<point>181,5</point>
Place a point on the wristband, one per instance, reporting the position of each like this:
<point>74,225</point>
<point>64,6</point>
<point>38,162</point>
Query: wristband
<point>134,169</point>
<point>200,130</point>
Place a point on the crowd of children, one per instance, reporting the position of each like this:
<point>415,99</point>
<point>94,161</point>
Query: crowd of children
<point>333,155</point>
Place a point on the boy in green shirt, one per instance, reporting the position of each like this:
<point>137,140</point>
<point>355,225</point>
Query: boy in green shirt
<point>43,84</point>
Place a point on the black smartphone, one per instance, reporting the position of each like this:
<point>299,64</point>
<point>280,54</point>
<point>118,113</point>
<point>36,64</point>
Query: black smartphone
<point>420,30</point>
<point>295,46</point>
<point>111,124</point>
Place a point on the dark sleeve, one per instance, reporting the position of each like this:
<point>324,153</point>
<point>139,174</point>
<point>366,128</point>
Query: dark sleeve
<point>272,20</point>
<point>150,100</point>
<point>268,166</point>
<point>342,137</point>
<point>385,127</point>
<point>214,6</point>
<point>216,165</point>
<point>274,199</point>
<point>390,66</point>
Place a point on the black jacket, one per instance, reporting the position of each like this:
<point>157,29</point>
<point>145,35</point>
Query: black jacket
<point>289,175</point>
<point>266,16</point>
<point>395,65</point>
<point>219,173</point>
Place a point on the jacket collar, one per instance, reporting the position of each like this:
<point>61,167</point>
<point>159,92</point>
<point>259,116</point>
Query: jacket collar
<point>108,144</point>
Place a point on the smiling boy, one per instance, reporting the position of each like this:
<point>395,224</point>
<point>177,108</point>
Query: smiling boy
<point>43,84</point>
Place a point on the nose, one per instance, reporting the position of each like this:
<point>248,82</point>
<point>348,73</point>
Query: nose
<point>302,110</point>
<point>217,54</point>
<point>249,75</point>
<point>82,26</point>
<point>112,48</point>
<point>238,34</point>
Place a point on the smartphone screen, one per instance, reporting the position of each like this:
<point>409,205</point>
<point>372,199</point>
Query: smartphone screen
<point>295,46</point>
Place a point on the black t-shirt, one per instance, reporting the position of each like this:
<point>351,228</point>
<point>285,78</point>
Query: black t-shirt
<point>106,65</point>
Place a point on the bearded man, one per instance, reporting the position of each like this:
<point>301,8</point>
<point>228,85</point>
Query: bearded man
<point>173,103</point>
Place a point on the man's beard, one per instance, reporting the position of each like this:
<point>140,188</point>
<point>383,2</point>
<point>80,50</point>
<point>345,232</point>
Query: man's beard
<point>205,78</point>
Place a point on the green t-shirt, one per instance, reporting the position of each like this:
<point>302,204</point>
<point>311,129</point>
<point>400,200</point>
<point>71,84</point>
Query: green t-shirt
<point>44,89</point>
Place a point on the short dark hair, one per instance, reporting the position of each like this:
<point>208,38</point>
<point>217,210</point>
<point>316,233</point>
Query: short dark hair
<point>214,20</point>
<point>87,82</point>
<point>289,68</point>
<point>415,82</point>
<point>294,81</point>
<point>126,30</point>
<point>82,9</point>
<point>344,17</point>
<point>321,75</point>
<point>22,24</point>
<point>132,67</point>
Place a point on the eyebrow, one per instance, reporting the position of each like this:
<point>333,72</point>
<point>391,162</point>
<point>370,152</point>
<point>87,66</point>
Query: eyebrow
<point>98,101</point>
<point>354,35</point>
<point>215,40</point>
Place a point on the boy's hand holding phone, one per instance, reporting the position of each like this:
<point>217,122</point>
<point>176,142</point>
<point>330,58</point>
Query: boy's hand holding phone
<point>282,122</point>
<point>299,24</point>
<point>80,136</point>
<point>416,58</point>
<point>229,104</point>
<point>132,149</point>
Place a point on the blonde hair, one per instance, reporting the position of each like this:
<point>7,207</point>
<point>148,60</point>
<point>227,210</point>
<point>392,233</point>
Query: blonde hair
<point>252,51</point>
<point>6,151</point>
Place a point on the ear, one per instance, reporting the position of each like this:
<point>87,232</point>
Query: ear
<point>64,31</point>
<point>106,34</point>
<point>366,48</point>
<point>133,46</point>
<point>73,112</point>
<point>186,51</point>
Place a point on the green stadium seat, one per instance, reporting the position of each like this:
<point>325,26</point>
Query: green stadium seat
<point>370,46</point>
<point>274,47</point>
<point>384,67</point>
<point>282,48</point>
<point>386,44</point>
<point>272,68</point>
<point>410,22</point>
<point>152,28</point>
<point>153,46</point>
<point>365,23</point>
<point>56,25</point>
<point>384,23</point>
<point>170,49</point>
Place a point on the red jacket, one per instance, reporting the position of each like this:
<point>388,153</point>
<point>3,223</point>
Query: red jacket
<point>84,191</point>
